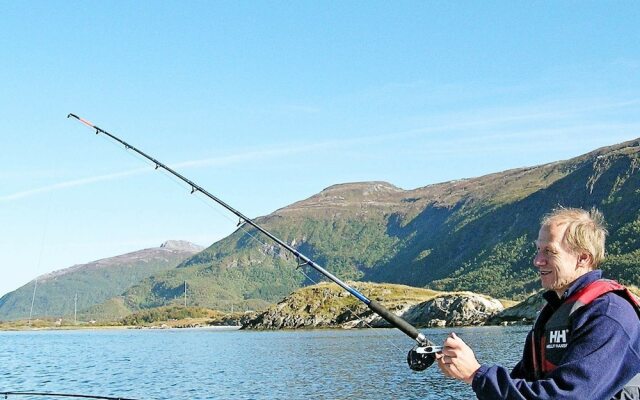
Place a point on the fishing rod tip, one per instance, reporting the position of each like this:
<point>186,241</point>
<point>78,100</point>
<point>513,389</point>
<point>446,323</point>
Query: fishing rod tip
<point>84,121</point>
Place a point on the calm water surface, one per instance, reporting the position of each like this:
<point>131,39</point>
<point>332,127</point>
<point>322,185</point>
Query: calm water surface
<point>211,364</point>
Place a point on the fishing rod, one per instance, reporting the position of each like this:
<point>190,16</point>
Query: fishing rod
<point>68,395</point>
<point>421,356</point>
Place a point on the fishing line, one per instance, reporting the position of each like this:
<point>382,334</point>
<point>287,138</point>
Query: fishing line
<point>182,185</point>
<point>240,225</point>
<point>81,396</point>
<point>256,239</point>
<point>421,356</point>
<point>197,195</point>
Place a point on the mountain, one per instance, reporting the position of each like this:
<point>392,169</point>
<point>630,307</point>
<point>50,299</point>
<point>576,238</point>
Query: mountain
<point>94,282</point>
<point>472,234</point>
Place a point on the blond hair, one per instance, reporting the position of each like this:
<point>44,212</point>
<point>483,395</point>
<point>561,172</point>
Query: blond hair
<point>585,232</point>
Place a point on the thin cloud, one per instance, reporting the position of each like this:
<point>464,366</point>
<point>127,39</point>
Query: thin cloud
<point>216,161</point>
<point>494,118</point>
<point>561,139</point>
<point>499,119</point>
<point>501,116</point>
<point>72,183</point>
<point>300,109</point>
<point>250,156</point>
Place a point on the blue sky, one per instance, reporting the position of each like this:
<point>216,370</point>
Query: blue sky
<point>267,103</point>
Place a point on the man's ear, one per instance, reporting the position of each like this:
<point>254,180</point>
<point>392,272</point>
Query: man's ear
<point>585,259</point>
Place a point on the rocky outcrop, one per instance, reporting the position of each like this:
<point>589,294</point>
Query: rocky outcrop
<point>524,312</point>
<point>181,245</point>
<point>234,319</point>
<point>272,319</point>
<point>458,309</point>
<point>325,307</point>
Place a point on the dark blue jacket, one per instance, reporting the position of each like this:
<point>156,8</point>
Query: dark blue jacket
<point>602,356</point>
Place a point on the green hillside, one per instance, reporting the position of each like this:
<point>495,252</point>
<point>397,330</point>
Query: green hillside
<point>94,283</point>
<point>473,234</point>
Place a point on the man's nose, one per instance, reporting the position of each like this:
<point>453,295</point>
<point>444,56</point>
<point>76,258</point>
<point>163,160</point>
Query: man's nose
<point>539,260</point>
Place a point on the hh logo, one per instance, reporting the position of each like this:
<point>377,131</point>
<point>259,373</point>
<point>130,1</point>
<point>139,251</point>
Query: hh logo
<point>559,336</point>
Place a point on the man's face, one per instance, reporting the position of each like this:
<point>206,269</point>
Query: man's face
<point>558,266</point>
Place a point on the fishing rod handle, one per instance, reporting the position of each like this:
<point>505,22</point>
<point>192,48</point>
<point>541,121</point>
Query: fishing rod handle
<point>399,323</point>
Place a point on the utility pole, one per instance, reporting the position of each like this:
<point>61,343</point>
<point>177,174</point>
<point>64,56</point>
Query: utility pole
<point>185,294</point>
<point>75,309</point>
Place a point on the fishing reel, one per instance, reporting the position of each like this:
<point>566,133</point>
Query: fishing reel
<point>421,356</point>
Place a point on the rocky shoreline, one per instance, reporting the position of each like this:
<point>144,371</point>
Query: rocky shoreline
<point>328,306</point>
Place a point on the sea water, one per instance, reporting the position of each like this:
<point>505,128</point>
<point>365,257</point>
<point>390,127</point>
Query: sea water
<point>224,364</point>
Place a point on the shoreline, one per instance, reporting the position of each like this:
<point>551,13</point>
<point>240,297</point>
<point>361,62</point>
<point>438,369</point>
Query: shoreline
<point>117,328</point>
<point>164,327</point>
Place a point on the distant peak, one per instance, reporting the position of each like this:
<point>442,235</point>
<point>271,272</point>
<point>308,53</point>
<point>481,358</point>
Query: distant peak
<point>180,245</point>
<point>365,187</point>
<point>355,195</point>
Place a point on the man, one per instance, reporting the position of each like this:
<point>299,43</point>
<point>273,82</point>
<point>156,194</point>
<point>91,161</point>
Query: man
<point>585,343</point>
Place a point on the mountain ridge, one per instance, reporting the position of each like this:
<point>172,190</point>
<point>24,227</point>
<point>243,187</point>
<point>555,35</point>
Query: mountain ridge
<point>168,246</point>
<point>95,281</point>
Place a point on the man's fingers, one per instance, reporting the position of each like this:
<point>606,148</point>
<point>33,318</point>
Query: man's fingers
<point>446,369</point>
<point>456,360</point>
<point>453,342</point>
<point>449,352</point>
<point>447,359</point>
<point>443,368</point>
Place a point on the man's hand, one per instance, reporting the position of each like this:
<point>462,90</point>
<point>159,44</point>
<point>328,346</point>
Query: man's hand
<point>457,359</point>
